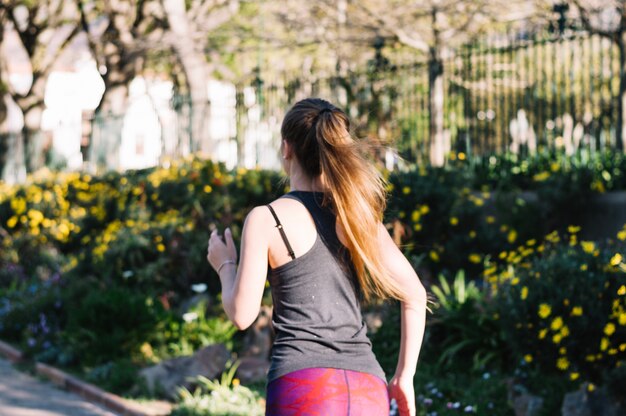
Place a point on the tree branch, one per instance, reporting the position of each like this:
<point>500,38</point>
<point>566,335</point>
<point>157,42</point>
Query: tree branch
<point>584,17</point>
<point>399,32</point>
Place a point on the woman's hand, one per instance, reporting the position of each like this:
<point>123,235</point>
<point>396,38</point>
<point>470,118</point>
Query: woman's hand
<point>221,251</point>
<point>402,390</point>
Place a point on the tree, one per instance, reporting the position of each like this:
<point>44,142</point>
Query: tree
<point>44,28</point>
<point>121,34</point>
<point>607,18</point>
<point>188,23</point>
<point>3,108</point>
<point>433,28</point>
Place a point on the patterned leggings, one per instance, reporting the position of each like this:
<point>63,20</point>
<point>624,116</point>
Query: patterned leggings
<point>327,391</point>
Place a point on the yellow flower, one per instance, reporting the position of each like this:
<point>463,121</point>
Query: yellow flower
<point>146,350</point>
<point>604,344</point>
<point>588,246</point>
<point>434,256</point>
<point>424,209</point>
<point>557,323</point>
<point>524,293</point>
<point>512,236</point>
<point>556,338</point>
<point>553,237</point>
<point>461,156</point>
<point>531,243</point>
<point>208,189</point>
<point>564,331</point>
<point>542,334</point>
<point>472,234</point>
<point>616,259</point>
<point>573,229</point>
<point>12,222</point>
<point>454,221</point>
<point>562,350</point>
<point>562,363</point>
<point>583,267</point>
<point>622,290</point>
<point>598,186</point>
<point>574,376</point>
<point>417,227</point>
<point>544,310</point>
<point>577,311</point>
<point>406,190</point>
<point>591,387</point>
<point>235,382</point>
<point>160,247</point>
<point>490,219</point>
<point>528,358</point>
<point>555,166</point>
<point>474,258</point>
<point>541,176</point>
<point>621,235</point>
<point>622,318</point>
<point>609,329</point>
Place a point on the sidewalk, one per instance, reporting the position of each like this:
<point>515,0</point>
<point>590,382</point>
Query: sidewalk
<point>24,395</point>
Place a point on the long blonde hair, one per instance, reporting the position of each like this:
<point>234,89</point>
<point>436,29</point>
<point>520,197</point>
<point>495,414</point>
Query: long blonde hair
<point>320,135</point>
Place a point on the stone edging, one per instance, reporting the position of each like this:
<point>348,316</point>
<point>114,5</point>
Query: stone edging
<point>88,391</point>
<point>10,353</point>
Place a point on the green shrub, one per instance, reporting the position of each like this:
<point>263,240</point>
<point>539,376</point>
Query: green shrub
<point>109,324</point>
<point>462,328</point>
<point>561,305</point>
<point>223,397</point>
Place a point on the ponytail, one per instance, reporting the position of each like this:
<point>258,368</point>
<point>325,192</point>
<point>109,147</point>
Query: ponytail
<point>357,190</point>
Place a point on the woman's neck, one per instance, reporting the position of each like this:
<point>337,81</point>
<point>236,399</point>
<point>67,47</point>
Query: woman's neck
<point>298,181</point>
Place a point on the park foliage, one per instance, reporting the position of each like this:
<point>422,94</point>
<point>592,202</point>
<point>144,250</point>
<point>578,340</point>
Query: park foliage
<point>107,274</point>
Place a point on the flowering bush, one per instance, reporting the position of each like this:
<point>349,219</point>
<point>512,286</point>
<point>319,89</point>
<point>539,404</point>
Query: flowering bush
<point>561,304</point>
<point>138,240</point>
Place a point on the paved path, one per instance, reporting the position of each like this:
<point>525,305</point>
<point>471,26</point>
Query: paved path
<point>24,395</point>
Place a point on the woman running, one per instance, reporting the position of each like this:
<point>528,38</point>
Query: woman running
<point>327,252</point>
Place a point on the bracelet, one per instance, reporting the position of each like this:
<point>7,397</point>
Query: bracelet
<point>224,264</point>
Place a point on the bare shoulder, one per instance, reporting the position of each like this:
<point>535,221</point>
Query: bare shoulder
<point>258,216</point>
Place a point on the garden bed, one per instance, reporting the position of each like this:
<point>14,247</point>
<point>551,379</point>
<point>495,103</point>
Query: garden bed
<point>106,275</point>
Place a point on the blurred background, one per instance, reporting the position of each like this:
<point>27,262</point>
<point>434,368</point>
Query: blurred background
<point>131,128</point>
<point>99,85</point>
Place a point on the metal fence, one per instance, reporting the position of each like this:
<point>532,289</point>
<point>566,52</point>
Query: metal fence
<point>522,92</point>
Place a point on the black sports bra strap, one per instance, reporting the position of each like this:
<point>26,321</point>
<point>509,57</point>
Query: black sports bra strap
<point>282,233</point>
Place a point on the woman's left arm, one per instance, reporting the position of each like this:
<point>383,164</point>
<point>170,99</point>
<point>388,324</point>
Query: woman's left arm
<point>242,287</point>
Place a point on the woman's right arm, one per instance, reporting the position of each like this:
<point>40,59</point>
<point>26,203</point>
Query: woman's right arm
<point>412,322</point>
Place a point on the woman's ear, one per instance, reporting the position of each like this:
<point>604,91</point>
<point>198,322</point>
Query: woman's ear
<point>287,150</point>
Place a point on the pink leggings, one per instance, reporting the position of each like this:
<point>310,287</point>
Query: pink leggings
<point>327,391</point>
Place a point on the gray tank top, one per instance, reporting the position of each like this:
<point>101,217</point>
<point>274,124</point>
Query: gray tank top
<point>317,315</point>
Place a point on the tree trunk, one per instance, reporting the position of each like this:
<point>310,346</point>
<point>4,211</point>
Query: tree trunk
<point>106,132</point>
<point>32,105</point>
<point>196,70</point>
<point>620,129</point>
<point>435,108</point>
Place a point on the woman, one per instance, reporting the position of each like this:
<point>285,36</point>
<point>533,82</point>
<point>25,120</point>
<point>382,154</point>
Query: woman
<point>327,251</point>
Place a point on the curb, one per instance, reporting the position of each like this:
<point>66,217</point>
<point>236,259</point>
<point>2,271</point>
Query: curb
<point>12,354</point>
<point>87,391</point>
